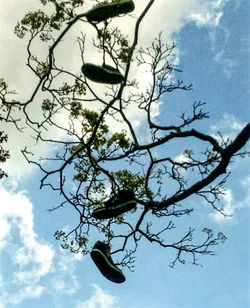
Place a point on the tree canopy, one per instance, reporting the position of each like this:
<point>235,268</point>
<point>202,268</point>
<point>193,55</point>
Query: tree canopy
<point>103,151</point>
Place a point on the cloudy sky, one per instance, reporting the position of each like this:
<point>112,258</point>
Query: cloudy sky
<point>212,40</point>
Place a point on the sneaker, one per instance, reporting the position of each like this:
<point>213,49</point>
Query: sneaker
<point>117,205</point>
<point>103,74</point>
<point>103,11</point>
<point>100,254</point>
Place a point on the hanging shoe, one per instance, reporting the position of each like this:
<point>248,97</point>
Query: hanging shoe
<point>124,201</point>
<point>103,11</point>
<point>100,254</point>
<point>102,74</point>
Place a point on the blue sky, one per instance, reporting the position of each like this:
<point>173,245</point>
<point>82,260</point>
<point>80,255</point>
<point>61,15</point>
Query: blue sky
<point>212,40</point>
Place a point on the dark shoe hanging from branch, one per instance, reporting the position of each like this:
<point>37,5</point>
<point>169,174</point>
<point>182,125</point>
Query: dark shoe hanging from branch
<point>102,74</point>
<point>105,10</point>
<point>100,254</point>
<point>124,201</point>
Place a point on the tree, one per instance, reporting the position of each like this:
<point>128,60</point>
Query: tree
<point>4,154</point>
<point>100,160</point>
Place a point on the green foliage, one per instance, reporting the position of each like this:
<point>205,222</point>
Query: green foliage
<point>76,109</point>
<point>107,232</point>
<point>102,141</point>
<point>89,121</point>
<point>3,85</point>
<point>101,3</point>
<point>65,89</point>
<point>4,93</point>
<point>104,34</point>
<point>91,117</point>
<point>33,22</point>
<point>125,54</point>
<point>77,88</point>
<point>42,68</point>
<point>120,139</point>
<point>39,22</point>
<point>76,148</point>
<point>114,36</point>
<point>132,181</point>
<point>77,245</point>
<point>4,155</point>
<point>47,105</point>
<point>74,3</point>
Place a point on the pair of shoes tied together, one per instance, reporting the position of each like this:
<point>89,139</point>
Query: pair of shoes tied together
<point>106,10</point>
<point>102,74</point>
<point>100,254</point>
<point>124,201</point>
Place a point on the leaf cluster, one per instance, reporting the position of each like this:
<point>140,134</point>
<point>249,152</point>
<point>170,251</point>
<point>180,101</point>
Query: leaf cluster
<point>116,44</point>
<point>4,154</point>
<point>77,245</point>
<point>39,22</point>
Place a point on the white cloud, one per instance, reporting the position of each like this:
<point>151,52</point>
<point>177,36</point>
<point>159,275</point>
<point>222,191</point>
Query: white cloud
<point>231,204</point>
<point>30,291</point>
<point>2,305</point>
<point>182,158</point>
<point>229,126</point>
<point>175,14</point>
<point>226,63</point>
<point>245,183</point>
<point>64,279</point>
<point>66,262</point>
<point>228,208</point>
<point>63,283</point>
<point>219,36</point>
<point>207,13</point>
<point>100,299</point>
<point>32,258</point>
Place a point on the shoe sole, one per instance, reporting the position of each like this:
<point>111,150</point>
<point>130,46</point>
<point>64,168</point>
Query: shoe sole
<point>102,74</point>
<point>109,10</point>
<point>104,213</point>
<point>105,267</point>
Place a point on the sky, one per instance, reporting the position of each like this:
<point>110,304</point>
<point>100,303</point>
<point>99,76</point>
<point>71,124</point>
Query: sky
<point>212,39</point>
